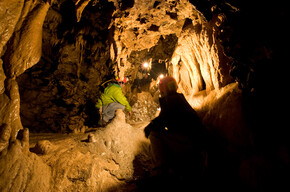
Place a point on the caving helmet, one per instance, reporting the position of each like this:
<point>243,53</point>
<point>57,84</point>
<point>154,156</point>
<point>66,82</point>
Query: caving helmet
<point>167,85</point>
<point>121,81</point>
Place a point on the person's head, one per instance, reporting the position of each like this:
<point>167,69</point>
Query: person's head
<point>121,82</point>
<point>167,86</point>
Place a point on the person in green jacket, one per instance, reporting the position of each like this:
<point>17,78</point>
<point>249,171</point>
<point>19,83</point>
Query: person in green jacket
<point>111,100</point>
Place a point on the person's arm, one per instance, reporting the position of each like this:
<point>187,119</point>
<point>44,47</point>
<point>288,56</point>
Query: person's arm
<point>99,104</point>
<point>159,123</point>
<point>120,98</point>
<point>156,124</point>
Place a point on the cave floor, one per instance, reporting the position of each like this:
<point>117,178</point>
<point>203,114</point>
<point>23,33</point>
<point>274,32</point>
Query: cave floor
<point>111,158</point>
<point>80,164</point>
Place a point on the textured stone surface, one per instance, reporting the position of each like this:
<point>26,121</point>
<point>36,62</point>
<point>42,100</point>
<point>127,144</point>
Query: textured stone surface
<point>10,110</point>
<point>142,26</point>
<point>9,18</point>
<point>196,61</point>
<point>21,170</point>
<point>24,51</point>
<point>64,86</point>
<point>21,53</point>
<point>201,43</point>
<point>106,164</point>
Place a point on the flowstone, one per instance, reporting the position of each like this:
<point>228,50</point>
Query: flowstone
<point>109,159</point>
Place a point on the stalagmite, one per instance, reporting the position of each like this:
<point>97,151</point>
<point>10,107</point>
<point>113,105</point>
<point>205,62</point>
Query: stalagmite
<point>21,45</point>
<point>5,135</point>
<point>10,108</point>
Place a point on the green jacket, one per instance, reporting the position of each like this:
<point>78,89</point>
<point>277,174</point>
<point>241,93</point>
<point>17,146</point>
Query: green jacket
<point>113,93</point>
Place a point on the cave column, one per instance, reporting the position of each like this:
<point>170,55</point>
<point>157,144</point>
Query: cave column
<point>23,22</point>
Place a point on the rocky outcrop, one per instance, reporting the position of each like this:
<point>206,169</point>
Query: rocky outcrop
<point>23,21</point>
<point>9,19</point>
<point>118,155</point>
<point>21,170</point>
<point>113,161</point>
<point>197,59</point>
<point>10,110</point>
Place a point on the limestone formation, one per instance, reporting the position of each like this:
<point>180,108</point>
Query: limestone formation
<point>228,58</point>
<point>66,81</point>
<point>43,147</point>
<point>108,163</point>
<point>24,51</point>
<point>21,170</point>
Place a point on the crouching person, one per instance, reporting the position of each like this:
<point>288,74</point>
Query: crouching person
<point>112,99</point>
<point>177,136</point>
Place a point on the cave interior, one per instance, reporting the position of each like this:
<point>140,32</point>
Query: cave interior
<point>227,56</point>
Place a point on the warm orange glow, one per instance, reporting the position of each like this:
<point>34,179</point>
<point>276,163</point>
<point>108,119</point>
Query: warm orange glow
<point>145,65</point>
<point>161,76</point>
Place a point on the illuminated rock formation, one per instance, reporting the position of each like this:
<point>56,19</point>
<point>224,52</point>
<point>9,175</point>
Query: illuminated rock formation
<point>22,52</point>
<point>55,55</point>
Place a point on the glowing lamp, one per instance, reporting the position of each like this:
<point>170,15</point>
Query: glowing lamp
<point>145,65</point>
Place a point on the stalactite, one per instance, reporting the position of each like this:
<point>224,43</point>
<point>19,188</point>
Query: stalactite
<point>23,51</point>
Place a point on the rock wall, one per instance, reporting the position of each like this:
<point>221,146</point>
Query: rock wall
<point>63,87</point>
<point>198,62</point>
<point>81,52</point>
<point>145,23</point>
<point>197,59</point>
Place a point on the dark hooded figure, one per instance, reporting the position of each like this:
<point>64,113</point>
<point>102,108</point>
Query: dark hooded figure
<point>177,136</point>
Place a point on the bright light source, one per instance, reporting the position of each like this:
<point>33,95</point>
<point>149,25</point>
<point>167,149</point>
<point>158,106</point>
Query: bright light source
<point>145,65</point>
<point>161,76</point>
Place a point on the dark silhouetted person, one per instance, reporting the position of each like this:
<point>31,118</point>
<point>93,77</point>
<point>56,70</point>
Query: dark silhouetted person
<point>177,138</point>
